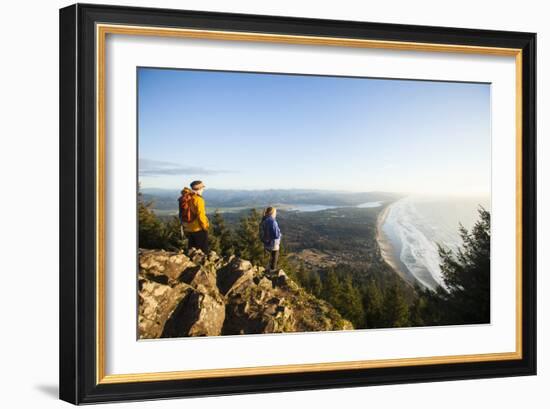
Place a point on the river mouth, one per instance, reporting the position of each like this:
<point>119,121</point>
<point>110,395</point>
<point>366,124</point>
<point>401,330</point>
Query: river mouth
<point>317,207</point>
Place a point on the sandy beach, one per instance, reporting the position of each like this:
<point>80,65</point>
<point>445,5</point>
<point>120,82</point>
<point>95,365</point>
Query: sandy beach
<point>386,248</point>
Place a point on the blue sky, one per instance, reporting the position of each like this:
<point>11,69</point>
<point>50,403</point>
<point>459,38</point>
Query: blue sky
<point>238,130</point>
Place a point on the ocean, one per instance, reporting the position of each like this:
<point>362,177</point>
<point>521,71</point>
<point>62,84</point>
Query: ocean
<point>414,225</point>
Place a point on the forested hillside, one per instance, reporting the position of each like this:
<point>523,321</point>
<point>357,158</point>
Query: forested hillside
<point>334,255</point>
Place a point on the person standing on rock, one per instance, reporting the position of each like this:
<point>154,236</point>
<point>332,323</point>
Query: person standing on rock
<point>270,234</point>
<point>192,215</point>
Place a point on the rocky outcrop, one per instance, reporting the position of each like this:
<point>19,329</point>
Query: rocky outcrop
<point>204,295</point>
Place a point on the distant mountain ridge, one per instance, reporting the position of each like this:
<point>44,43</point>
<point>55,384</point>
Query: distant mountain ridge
<point>166,199</point>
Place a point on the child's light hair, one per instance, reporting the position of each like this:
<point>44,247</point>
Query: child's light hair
<point>269,211</point>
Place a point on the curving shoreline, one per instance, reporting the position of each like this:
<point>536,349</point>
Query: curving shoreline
<point>386,248</point>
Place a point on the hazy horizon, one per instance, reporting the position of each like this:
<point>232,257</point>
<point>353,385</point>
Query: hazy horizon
<point>299,189</point>
<point>250,131</point>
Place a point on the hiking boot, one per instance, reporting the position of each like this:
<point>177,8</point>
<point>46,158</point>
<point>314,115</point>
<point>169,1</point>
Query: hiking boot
<point>268,271</point>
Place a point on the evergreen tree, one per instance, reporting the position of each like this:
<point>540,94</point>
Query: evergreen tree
<point>418,311</point>
<point>343,296</point>
<point>214,241</point>
<point>430,308</point>
<point>170,235</point>
<point>149,226</point>
<point>351,304</point>
<point>395,309</point>
<point>302,276</point>
<point>466,274</point>
<point>315,285</point>
<point>308,279</point>
<point>331,287</point>
<point>221,238</point>
<point>283,262</point>
<point>373,303</point>
<point>153,233</point>
<point>248,245</point>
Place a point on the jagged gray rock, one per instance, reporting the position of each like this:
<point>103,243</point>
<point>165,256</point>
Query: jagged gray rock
<point>205,295</point>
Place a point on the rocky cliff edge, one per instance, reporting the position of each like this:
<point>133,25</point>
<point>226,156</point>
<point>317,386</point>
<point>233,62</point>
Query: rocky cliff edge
<point>205,295</point>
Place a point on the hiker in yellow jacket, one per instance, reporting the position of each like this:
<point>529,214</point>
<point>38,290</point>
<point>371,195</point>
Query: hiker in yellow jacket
<point>192,211</point>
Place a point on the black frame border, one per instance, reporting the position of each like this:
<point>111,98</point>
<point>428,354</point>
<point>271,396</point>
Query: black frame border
<point>77,316</point>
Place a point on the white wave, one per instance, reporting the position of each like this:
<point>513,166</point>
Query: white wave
<point>415,227</point>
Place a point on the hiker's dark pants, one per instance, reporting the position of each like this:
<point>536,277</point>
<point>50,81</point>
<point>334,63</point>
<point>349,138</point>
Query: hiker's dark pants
<point>273,258</point>
<point>198,240</point>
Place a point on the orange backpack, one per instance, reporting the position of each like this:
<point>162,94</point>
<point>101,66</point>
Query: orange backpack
<point>187,210</point>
